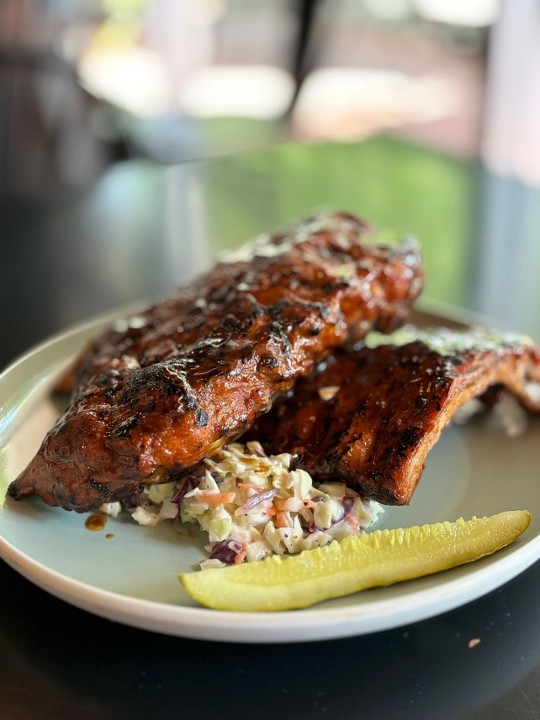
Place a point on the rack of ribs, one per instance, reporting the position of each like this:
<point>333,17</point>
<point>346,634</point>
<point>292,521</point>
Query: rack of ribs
<point>370,417</point>
<point>166,388</point>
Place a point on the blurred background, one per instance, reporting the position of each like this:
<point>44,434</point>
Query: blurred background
<point>420,114</point>
<point>87,82</point>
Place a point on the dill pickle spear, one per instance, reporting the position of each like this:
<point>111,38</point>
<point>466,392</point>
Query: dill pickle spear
<point>356,563</point>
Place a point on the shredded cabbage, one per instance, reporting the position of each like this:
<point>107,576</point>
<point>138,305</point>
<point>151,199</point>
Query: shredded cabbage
<point>253,505</point>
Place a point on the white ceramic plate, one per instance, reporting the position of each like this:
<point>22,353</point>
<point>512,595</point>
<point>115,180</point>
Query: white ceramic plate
<point>129,573</point>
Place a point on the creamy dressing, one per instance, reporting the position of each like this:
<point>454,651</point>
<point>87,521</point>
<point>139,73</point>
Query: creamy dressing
<point>252,505</point>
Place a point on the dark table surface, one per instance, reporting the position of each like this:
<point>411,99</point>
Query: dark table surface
<point>68,254</point>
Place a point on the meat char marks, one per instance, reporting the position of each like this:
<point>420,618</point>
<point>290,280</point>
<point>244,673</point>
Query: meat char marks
<point>370,417</point>
<point>168,387</point>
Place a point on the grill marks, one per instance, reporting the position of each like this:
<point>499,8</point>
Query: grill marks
<point>171,385</point>
<point>391,406</point>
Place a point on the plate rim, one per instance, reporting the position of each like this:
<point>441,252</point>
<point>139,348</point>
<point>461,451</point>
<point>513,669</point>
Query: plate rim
<point>260,627</point>
<point>311,624</point>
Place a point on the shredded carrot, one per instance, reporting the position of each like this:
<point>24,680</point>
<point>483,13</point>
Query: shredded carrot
<point>215,498</point>
<point>282,521</point>
<point>240,557</point>
<point>247,486</point>
<point>353,521</point>
<point>279,503</point>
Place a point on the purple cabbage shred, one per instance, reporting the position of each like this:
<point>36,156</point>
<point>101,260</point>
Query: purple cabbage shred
<point>259,498</point>
<point>189,484</point>
<point>131,502</point>
<point>226,551</point>
<point>348,504</point>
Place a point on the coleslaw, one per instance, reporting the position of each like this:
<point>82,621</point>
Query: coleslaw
<point>252,505</point>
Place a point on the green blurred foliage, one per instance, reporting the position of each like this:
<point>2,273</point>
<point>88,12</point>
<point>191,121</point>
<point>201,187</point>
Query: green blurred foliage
<point>390,183</point>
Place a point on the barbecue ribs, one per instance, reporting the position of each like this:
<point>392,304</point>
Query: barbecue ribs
<point>369,418</point>
<point>168,387</point>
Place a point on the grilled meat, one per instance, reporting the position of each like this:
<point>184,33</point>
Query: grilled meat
<point>369,418</point>
<point>170,386</point>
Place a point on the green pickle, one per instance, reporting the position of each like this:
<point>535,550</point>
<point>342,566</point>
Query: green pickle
<point>382,557</point>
